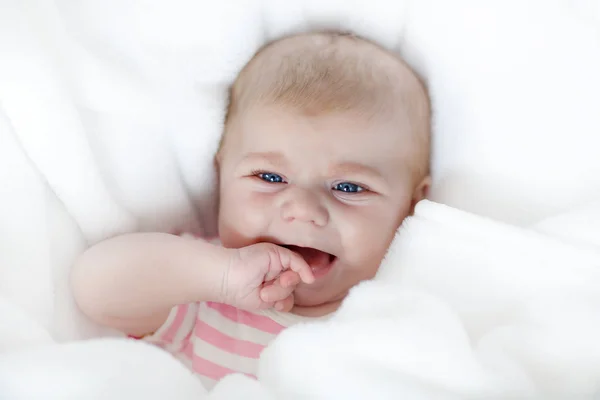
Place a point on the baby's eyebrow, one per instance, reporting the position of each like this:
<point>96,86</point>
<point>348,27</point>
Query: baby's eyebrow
<point>355,168</point>
<point>274,158</point>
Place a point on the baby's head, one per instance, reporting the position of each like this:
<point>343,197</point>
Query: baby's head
<point>325,151</point>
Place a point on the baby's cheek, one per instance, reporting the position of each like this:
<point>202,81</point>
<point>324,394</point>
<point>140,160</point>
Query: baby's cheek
<point>367,237</point>
<point>241,220</point>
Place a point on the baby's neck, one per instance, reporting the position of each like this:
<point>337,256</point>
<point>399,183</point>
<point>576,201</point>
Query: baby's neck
<point>316,311</point>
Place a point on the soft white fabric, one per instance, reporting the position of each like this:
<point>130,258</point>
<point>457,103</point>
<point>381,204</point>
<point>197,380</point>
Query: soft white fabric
<point>110,112</point>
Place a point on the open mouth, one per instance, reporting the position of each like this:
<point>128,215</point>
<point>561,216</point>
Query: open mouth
<point>319,261</point>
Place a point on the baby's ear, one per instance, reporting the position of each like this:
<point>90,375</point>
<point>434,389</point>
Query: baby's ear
<point>421,192</point>
<point>219,154</point>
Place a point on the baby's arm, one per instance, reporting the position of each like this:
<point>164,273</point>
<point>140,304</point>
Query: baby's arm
<point>131,282</point>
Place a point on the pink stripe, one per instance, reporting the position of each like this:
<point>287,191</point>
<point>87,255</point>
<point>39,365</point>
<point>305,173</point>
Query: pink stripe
<point>187,345</point>
<point>188,349</point>
<point>259,322</point>
<point>169,335</point>
<point>226,343</point>
<point>212,370</point>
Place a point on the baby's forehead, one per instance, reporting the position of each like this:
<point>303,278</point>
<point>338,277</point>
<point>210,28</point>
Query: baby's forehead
<point>275,128</point>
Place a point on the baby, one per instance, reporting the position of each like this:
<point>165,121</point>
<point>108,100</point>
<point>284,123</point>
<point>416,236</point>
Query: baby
<point>325,152</point>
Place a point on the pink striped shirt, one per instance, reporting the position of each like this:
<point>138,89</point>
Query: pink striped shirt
<point>215,340</point>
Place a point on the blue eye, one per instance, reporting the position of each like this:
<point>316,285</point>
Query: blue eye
<point>348,187</point>
<point>269,177</point>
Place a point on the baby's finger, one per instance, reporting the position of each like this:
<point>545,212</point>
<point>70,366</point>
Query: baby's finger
<point>296,263</point>
<point>286,304</point>
<point>274,293</point>
<point>289,278</point>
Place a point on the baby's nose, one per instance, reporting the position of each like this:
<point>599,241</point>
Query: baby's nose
<point>304,206</point>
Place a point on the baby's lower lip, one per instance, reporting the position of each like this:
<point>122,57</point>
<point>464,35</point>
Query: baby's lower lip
<point>320,272</point>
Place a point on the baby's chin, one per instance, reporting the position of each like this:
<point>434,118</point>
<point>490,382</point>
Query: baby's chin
<point>307,297</point>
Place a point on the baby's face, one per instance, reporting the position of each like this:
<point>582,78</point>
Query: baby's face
<point>333,188</point>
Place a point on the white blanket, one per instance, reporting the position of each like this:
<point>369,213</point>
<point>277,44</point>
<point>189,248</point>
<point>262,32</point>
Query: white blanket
<point>110,112</point>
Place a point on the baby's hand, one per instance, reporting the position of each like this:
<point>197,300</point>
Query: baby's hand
<point>264,275</point>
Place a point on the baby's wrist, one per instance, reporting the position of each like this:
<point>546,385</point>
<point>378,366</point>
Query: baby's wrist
<point>207,267</point>
<point>226,291</point>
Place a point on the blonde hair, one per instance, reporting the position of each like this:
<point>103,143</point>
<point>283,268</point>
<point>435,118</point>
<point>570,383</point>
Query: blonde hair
<point>327,72</point>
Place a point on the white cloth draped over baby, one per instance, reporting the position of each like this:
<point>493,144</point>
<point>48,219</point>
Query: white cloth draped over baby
<point>109,115</point>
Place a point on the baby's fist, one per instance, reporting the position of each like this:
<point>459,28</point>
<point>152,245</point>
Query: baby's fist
<point>264,275</point>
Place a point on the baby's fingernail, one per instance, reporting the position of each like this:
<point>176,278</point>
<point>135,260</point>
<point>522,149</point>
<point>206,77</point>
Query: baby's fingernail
<point>264,296</point>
